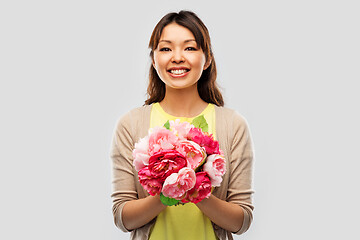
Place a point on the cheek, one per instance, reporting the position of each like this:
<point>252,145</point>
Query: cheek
<point>199,61</point>
<point>159,63</point>
<point>199,64</point>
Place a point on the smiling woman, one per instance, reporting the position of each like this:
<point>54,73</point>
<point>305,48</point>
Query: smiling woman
<point>188,23</point>
<point>182,88</point>
<point>178,61</point>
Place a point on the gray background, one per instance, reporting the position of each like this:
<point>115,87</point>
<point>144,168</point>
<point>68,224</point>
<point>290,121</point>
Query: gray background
<point>70,69</point>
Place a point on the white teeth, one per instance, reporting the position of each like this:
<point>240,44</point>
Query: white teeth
<point>178,71</point>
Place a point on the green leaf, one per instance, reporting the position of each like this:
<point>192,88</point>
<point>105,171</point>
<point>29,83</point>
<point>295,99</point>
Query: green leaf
<point>167,125</point>
<point>200,122</point>
<point>168,201</point>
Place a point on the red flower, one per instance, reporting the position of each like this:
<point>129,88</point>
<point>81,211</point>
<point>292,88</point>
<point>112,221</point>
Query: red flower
<point>152,185</point>
<point>204,140</point>
<point>166,162</point>
<point>201,190</point>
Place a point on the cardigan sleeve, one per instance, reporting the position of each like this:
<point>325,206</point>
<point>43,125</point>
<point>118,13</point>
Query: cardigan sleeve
<point>240,189</point>
<point>123,176</point>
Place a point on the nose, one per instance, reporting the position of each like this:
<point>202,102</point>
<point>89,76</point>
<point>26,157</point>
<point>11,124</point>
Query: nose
<point>177,57</point>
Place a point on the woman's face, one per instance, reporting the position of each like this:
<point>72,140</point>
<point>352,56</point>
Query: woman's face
<point>177,59</point>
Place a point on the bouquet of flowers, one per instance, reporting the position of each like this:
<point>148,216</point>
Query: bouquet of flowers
<point>179,161</point>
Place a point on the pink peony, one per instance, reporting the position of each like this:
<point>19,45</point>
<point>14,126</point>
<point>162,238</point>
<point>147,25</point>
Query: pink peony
<point>195,155</point>
<point>140,153</point>
<point>201,190</point>
<point>150,184</point>
<point>215,167</point>
<point>161,139</point>
<point>166,162</point>
<point>204,140</point>
<point>180,129</point>
<point>176,185</point>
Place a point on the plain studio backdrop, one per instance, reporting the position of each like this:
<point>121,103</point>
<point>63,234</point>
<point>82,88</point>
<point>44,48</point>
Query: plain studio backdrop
<point>70,69</point>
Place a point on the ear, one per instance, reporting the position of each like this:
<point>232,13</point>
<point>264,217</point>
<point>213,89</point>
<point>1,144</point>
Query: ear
<point>152,59</point>
<point>207,64</point>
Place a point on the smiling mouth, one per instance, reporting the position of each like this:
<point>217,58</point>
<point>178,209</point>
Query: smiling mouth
<point>178,71</point>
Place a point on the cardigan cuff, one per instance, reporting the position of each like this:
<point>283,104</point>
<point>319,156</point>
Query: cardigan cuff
<point>246,222</point>
<point>118,218</point>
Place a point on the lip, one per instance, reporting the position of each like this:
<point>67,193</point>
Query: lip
<point>178,68</point>
<point>178,75</point>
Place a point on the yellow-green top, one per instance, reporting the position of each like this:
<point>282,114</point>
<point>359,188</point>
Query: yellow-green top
<point>182,221</point>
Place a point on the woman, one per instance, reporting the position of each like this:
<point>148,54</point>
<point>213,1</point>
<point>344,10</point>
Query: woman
<point>182,86</point>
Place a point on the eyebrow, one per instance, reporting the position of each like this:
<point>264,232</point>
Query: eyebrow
<point>186,41</point>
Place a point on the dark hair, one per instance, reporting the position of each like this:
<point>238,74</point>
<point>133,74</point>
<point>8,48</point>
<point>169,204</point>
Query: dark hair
<point>207,86</point>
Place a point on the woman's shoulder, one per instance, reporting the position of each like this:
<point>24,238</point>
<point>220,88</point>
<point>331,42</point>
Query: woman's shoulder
<point>231,124</point>
<point>229,114</point>
<point>135,113</point>
<point>135,120</point>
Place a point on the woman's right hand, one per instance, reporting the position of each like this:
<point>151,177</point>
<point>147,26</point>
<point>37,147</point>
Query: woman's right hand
<point>137,213</point>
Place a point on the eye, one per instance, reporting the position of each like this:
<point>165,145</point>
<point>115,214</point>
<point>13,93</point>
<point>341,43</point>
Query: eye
<point>164,49</point>
<point>191,49</point>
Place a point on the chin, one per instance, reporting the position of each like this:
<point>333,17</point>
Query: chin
<point>181,86</point>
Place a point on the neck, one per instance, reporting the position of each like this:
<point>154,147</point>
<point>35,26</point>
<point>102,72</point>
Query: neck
<point>183,102</point>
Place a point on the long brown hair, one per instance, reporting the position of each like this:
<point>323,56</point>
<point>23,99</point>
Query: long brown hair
<point>207,86</point>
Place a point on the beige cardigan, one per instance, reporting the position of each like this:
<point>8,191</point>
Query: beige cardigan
<point>234,138</point>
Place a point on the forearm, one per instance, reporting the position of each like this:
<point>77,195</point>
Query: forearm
<point>227,215</point>
<point>137,213</point>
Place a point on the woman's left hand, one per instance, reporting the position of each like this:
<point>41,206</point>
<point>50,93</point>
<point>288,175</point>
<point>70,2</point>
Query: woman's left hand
<point>224,214</point>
